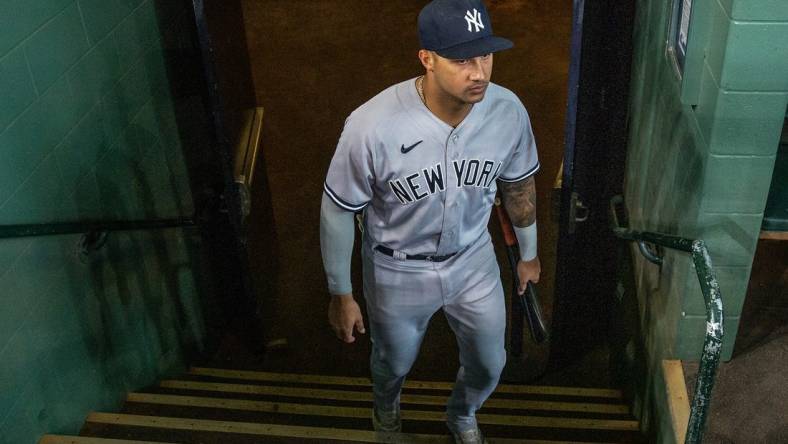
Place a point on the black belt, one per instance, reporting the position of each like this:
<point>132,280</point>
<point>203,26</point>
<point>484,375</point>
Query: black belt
<point>416,257</point>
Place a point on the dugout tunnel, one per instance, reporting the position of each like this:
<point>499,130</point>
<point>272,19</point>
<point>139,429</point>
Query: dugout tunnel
<point>123,120</point>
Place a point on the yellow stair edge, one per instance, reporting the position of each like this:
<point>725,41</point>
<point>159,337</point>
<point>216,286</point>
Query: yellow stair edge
<point>406,398</point>
<point>358,412</point>
<point>677,396</point>
<point>365,382</point>
<point>248,428</point>
<point>63,439</point>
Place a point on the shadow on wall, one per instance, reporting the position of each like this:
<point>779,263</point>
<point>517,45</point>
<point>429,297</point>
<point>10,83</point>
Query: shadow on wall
<point>117,318</point>
<point>135,299</point>
<point>142,292</point>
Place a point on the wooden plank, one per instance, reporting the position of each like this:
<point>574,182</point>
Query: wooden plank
<point>406,398</point>
<point>62,439</point>
<point>678,400</point>
<point>247,428</point>
<point>428,385</point>
<point>299,432</point>
<point>358,412</point>
<point>774,235</point>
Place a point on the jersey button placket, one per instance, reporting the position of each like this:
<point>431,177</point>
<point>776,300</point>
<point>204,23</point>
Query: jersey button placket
<point>451,219</point>
<point>446,242</point>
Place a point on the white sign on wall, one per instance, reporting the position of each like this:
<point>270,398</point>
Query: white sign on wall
<point>680,29</point>
<point>684,22</point>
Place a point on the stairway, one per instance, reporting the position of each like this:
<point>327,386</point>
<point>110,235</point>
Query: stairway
<point>213,406</point>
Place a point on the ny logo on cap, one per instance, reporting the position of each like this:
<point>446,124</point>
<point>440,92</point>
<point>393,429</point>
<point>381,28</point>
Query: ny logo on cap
<point>474,19</point>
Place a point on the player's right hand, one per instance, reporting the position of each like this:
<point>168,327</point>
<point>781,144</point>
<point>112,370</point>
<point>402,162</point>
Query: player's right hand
<point>528,271</point>
<point>344,315</point>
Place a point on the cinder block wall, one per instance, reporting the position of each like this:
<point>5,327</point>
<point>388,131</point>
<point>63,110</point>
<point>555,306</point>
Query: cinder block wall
<point>740,114</point>
<point>88,131</point>
<point>702,168</point>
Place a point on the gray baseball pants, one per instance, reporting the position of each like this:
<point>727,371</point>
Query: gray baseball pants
<point>402,296</point>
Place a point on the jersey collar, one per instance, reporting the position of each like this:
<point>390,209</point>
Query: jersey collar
<point>472,116</point>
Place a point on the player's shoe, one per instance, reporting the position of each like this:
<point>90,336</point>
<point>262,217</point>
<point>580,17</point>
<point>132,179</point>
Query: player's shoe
<point>472,436</point>
<point>383,421</point>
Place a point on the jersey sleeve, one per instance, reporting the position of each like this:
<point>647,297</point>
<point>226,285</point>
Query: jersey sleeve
<point>524,162</point>
<point>351,173</point>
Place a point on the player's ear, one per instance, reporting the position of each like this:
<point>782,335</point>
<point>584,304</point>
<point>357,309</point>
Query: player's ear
<point>426,58</point>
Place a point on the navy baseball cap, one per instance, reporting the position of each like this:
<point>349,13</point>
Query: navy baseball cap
<point>458,29</point>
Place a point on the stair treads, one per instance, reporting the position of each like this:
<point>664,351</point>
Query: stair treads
<point>365,382</point>
<point>288,431</point>
<point>406,398</point>
<point>61,439</point>
<point>357,412</point>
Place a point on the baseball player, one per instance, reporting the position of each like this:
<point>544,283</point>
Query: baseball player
<point>423,160</point>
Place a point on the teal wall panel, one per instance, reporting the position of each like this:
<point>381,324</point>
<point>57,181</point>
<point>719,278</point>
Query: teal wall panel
<point>715,46</point>
<point>737,184</point>
<point>16,86</point>
<point>88,131</point>
<point>96,73</point>
<point>751,47</point>
<point>81,149</point>
<point>731,238</point>
<point>757,10</point>
<point>733,287</point>
<point>692,330</point>
<point>56,47</point>
<point>740,123</point>
<point>101,16</point>
<point>738,51</point>
<point>10,251</point>
<point>22,147</point>
<point>18,23</point>
<point>137,32</point>
<point>38,198</point>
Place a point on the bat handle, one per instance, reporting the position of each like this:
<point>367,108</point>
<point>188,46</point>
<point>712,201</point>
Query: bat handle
<point>536,319</point>
<point>506,224</point>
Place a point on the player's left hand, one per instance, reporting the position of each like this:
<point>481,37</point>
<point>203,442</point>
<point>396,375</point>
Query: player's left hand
<point>528,271</point>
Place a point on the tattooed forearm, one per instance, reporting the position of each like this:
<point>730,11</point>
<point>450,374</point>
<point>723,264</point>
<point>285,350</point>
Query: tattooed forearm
<point>519,199</point>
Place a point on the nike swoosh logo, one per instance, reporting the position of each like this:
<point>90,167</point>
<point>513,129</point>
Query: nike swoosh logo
<point>408,149</point>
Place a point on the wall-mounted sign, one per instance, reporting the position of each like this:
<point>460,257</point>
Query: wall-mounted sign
<point>680,34</point>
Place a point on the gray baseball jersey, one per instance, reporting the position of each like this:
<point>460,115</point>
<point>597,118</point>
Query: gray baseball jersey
<point>428,188</point>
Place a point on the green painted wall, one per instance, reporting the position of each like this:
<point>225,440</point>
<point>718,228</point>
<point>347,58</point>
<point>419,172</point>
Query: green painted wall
<point>88,131</point>
<point>701,167</point>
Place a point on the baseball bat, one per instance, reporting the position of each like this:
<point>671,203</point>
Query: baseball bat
<point>516,327</point>
<point>529,301</point>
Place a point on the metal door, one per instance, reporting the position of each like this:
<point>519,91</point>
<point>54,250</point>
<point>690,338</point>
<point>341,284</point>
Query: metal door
<point>594,157</point>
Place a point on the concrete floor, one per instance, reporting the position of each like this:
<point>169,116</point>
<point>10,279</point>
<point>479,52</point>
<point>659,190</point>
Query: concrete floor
<point>313,63</point>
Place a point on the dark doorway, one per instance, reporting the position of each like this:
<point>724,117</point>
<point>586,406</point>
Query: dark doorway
<point>593,173</point>
<point>312,63</point>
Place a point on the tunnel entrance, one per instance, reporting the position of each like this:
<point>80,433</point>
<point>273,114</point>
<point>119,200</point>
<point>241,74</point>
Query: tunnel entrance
<point>311,64</point>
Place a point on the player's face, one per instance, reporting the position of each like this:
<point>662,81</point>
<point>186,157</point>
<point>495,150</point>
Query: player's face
<point>465,80</point>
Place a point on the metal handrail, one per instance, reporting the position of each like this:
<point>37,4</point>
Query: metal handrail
<point>88,226</point>
<point>712,346</point>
